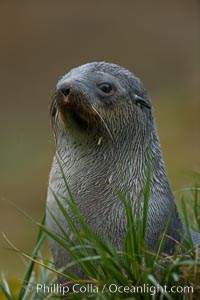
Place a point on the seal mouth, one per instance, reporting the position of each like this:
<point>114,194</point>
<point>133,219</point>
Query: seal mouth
<point>79,112</point>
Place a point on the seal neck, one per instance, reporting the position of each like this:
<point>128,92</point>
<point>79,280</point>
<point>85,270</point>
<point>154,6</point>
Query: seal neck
<point>98,166</point>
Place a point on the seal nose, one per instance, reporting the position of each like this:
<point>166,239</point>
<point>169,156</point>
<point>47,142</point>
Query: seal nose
<point>66,92</point>
<point>65,89</point>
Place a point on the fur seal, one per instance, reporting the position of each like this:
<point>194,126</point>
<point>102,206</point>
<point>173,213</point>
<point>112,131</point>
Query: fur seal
<point>104,128</point>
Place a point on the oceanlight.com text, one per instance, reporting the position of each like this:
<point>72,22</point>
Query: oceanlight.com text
<point>110,288</point>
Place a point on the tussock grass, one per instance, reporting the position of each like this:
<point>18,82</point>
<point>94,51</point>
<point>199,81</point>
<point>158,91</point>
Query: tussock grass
<point>133,273</point>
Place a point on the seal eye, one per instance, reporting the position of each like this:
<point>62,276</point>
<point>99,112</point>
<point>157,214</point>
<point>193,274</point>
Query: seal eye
<point>105,87</point>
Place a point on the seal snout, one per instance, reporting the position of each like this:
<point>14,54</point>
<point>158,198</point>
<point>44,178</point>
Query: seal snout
<point>73,104</point>
<point>69,96</point>
<point>65,90</point>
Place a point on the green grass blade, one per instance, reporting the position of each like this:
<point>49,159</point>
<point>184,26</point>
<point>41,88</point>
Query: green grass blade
<point>4,286</point>
<point>29,269</point>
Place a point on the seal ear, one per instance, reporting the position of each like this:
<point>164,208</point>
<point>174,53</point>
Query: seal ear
<point>141,101</point>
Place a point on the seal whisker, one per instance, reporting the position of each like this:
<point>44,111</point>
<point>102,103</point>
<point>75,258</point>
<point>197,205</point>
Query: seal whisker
<point>53,111</point>
<point>103,121</point>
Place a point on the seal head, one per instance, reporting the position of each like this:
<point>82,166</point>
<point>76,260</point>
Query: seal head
<point>98,96</point>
